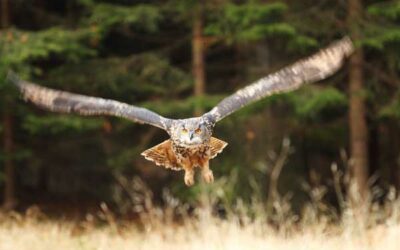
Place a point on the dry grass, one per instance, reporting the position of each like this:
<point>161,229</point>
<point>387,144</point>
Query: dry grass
<point>203,231</point>
<point>255,225</point>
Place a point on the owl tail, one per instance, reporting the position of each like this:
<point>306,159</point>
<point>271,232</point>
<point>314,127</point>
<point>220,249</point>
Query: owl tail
<point>162,155</point>
<point>216,146</point>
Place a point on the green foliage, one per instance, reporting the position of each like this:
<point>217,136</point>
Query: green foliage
<point>380,39</point>
<point>385,30</point>
<point>249,22</point>
<point>59,124</point>
<point>301,43</point>
<point>388,9</point>
<point>143,17</point>
<point>130,79</point>
<point>123,158</point>
<point>311,102</point>
<point>383,35</point>
<point>391,110</point>
<point>19,47</point>
<point>86,3</point>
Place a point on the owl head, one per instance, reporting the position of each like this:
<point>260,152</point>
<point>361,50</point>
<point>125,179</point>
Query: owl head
<point>191,132</point>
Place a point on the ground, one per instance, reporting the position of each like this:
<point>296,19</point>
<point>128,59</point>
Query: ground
<point>202,232</point>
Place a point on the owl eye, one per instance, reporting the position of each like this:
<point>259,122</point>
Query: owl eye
<point>184,131</point>
<point>197,131</point>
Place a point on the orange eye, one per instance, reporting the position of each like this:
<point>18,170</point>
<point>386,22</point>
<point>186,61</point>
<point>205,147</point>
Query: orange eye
<point>184,131</point>
<point>197,131</point>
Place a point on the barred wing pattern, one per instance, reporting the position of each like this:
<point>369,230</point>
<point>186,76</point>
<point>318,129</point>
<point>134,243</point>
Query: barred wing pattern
<point>314,68</point>
<point>65,102</point>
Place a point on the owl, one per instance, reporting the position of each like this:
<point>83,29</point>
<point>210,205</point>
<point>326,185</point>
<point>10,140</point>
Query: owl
<point>191,144</point>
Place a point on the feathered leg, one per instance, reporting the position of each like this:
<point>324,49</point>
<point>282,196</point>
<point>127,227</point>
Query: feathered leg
<point>206,172</point>
<point>189,177</point>
<point>189,171</point>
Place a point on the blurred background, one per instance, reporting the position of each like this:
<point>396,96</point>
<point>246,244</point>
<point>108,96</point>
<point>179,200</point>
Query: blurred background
<point>179,58</point>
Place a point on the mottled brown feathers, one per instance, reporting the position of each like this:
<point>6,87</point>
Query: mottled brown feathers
<point>216,146</point>
<point>164,155</point>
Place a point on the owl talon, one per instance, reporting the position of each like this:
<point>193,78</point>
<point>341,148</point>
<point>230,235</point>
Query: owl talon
<point>189,178</point>
<point>208,176</point>
<point>189,181</point>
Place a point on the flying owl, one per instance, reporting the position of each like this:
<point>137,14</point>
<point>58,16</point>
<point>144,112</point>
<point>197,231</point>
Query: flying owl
<point>191,143</point>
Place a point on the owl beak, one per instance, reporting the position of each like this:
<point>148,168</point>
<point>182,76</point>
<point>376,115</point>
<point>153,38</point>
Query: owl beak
<point>191,135</point>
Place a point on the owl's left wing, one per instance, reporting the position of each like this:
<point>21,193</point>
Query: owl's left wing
<point>65,102</point>
<point>312,69</point>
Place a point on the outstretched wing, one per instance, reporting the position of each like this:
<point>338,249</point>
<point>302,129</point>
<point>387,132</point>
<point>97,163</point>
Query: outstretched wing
<point>66,102</point>
<point>314,68</point>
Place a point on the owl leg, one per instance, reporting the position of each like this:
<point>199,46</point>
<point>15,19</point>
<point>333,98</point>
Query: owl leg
<point>206,172</point>
<point>189,171</point>
<point>189,177</point>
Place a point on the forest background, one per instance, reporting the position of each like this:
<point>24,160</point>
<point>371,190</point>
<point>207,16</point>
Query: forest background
<point>179,58</point>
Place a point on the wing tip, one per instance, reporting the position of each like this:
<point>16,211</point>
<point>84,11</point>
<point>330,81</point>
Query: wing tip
<point>346,45</point>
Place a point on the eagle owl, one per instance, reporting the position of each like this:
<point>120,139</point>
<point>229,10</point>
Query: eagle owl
<point>191,143</point>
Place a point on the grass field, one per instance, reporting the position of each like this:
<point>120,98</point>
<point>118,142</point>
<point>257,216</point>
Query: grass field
<point>201,232</point>
<point>252,225</point>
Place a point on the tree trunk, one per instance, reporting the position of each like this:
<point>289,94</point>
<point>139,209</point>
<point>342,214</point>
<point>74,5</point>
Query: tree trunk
<point>9,184</point>
<point>198,56</point>
<point>357,114</point>
<point>5,17</point>
<point>391,149</point>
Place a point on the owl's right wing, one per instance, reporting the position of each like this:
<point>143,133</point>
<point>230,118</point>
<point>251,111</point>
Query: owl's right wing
<point>311,69</point>
<point>65,102</point>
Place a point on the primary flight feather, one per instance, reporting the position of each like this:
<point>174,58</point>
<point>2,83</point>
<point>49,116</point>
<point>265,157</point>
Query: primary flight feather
<point>191,143</point>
